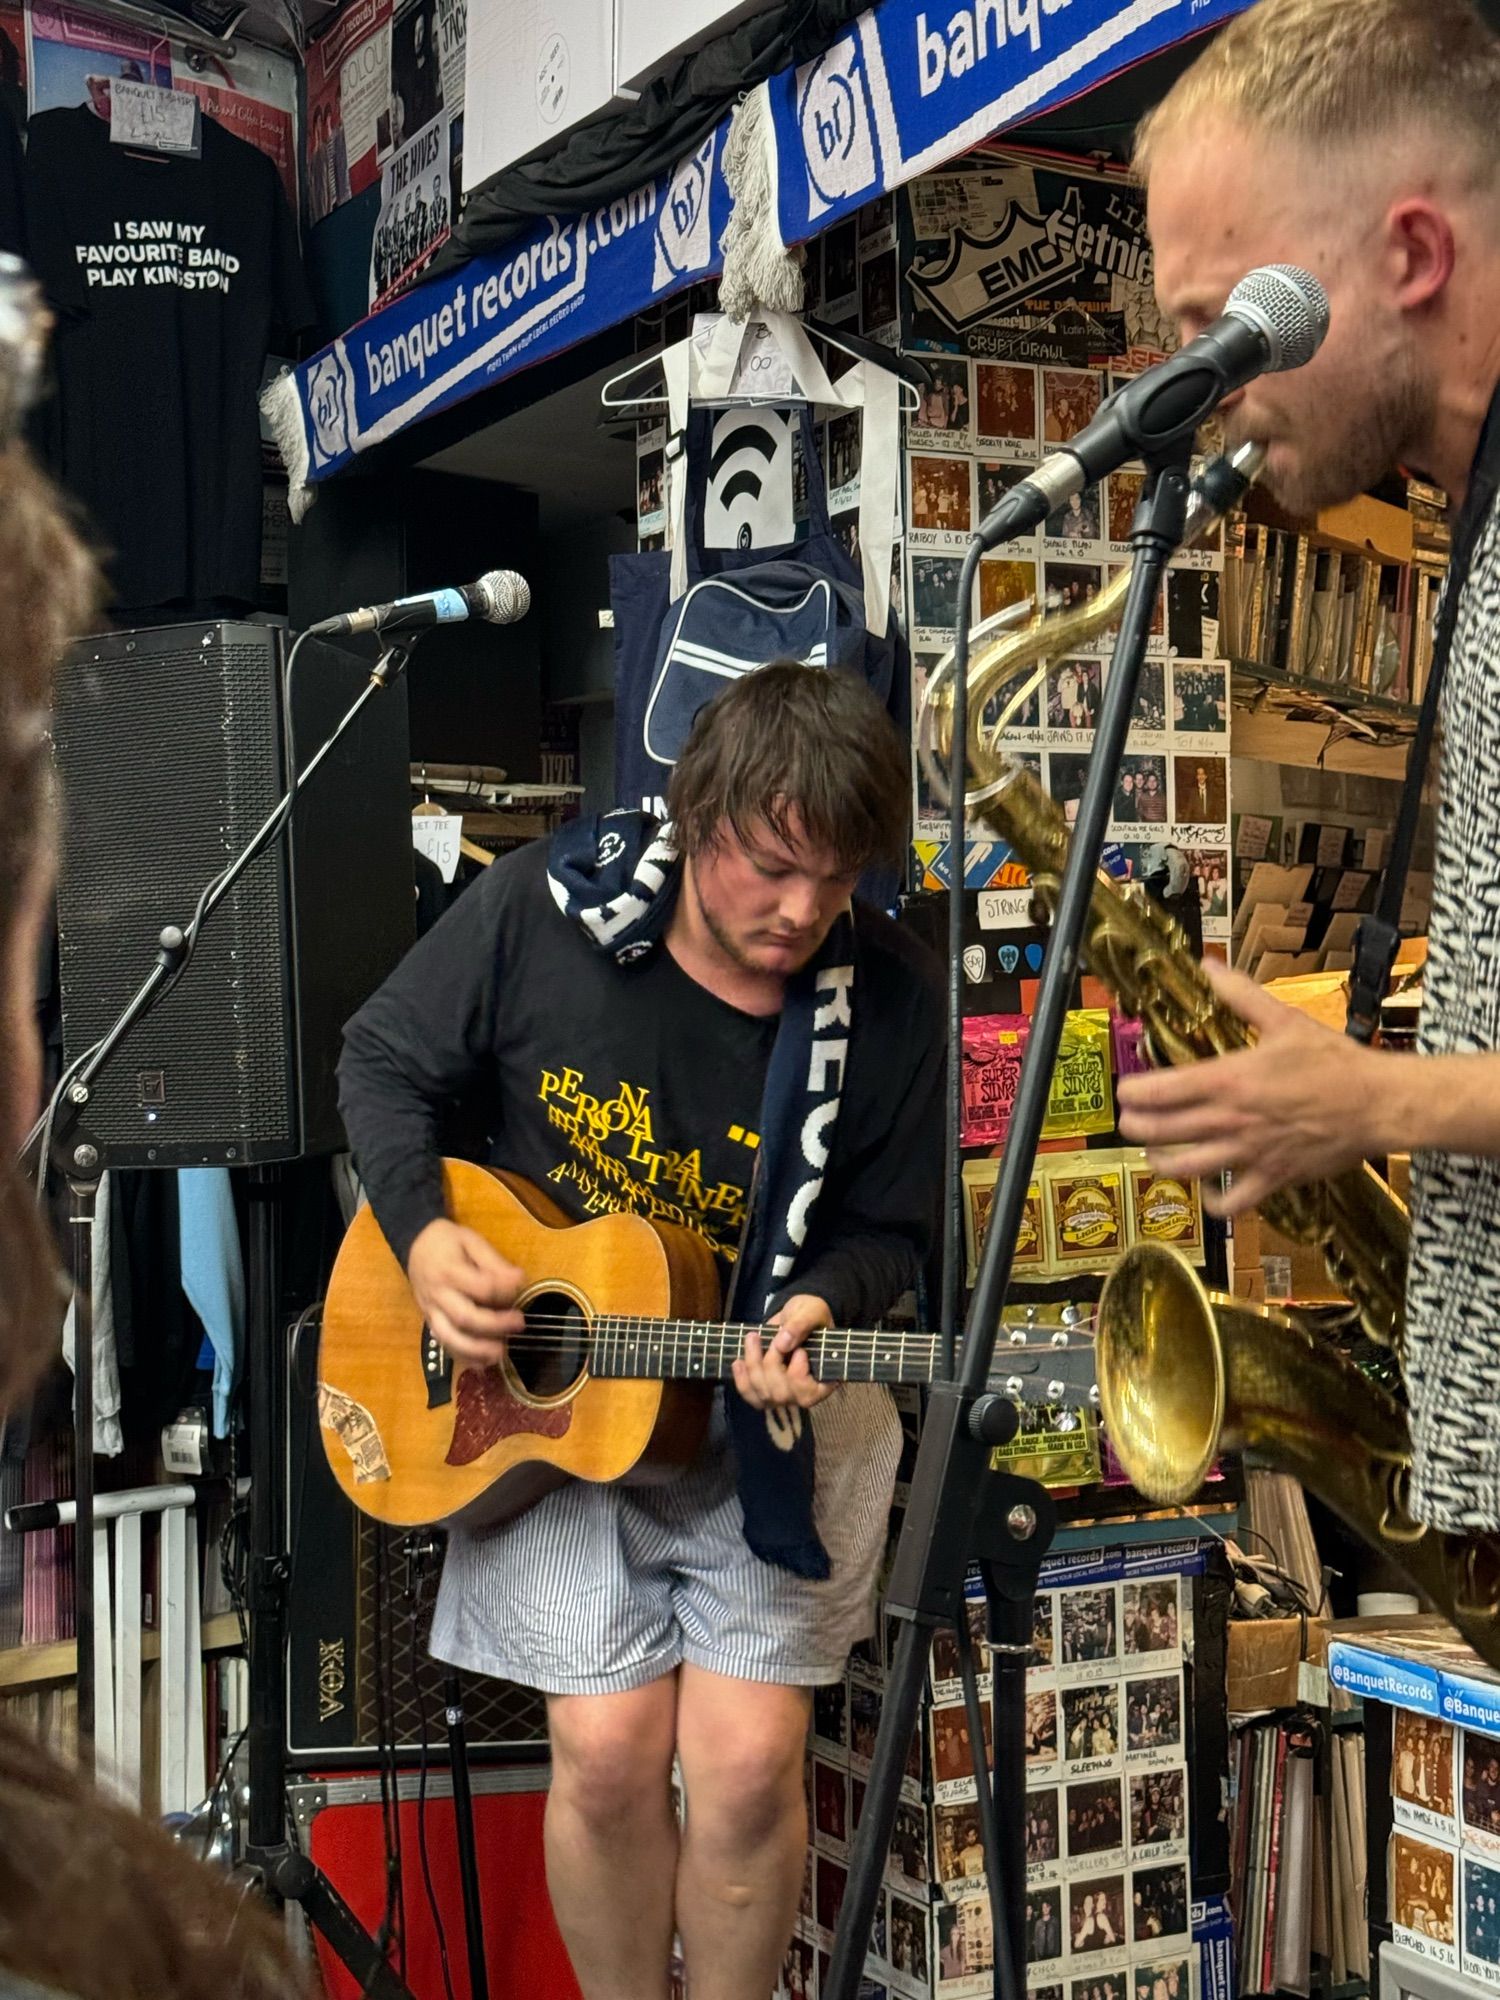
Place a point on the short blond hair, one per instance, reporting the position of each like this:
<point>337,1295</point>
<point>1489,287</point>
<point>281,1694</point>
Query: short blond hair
<point>1333,73</point>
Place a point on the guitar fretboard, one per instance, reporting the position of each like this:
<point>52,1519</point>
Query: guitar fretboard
<point>692,1350</point>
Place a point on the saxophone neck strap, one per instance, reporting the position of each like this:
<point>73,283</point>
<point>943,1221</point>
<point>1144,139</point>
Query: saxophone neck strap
<point>1379,935</point>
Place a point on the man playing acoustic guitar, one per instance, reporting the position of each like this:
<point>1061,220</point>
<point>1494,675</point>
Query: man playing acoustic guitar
<point>694,1023</point>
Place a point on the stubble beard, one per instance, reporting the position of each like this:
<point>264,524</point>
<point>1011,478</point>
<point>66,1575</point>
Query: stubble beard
<point>1386,432</point>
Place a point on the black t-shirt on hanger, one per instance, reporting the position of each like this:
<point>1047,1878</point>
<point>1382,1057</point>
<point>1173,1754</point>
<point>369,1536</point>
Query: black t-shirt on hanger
<point>172,279</point>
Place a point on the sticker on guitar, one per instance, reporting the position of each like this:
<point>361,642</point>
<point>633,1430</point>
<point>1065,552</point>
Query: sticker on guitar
<point>354,1427</point>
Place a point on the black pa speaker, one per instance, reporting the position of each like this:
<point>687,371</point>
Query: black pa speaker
<point>169,746</point>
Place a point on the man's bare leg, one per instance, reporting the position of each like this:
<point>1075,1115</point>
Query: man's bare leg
<point>745,1841</point>
<point>611,1837</point>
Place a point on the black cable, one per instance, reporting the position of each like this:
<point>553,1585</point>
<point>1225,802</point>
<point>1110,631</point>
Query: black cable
<point>432,1901</point>
<point>391,1830</point>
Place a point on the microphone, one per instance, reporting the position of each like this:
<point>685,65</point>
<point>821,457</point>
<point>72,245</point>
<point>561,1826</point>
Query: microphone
<point>1274,319</point>
<point>500,597</point>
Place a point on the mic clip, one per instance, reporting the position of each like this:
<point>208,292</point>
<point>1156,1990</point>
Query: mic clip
<point>391,665</point>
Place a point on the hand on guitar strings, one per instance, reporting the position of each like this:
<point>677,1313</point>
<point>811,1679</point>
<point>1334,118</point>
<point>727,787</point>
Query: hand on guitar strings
<point>1302,1104</point>
<point>777,1375</point>
<point>466,1290</point>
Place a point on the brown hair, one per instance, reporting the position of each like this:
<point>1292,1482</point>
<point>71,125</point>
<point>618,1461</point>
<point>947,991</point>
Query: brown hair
<point>47,593</point>
<point>94,1901</point>
<point>1336,73</point>
<point>794,740</point>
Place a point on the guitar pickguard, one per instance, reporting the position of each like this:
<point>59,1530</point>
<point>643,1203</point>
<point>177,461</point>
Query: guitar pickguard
<point>488,1411</point>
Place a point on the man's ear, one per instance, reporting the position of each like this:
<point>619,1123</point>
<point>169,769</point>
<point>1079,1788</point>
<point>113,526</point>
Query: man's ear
<point>1419,251</point>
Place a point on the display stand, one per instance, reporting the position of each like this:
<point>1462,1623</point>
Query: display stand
<point>950,1518</point>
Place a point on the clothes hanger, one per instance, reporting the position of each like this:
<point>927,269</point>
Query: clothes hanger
<point>912,375</point>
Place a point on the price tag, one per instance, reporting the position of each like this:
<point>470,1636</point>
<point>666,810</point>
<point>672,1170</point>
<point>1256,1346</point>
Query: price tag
<point>437,836</point>
<point>182,1445</point>
<point>165,121</point>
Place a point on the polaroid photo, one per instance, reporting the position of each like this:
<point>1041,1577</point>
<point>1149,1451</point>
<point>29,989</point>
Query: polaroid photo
<point>798,1970</point>
<point>965,1951</point>
<point>1003,581</point>
<point>1123,497</point>
<point>878,299</point>
<point>843,454</point>
<point>830,1881</point>
<point>1089,1623</point>
<point>864,1726</point>
<point>1043,1833</point>
<point>1070,399</point>
<point>1481,1937</point>
<point>958,1850</point>
<point>1074,689</point>
<point>1102,1986</point>
<point>907,1954</point>
<point>1153,1721</point>
<point>907,1866</point>
<point>953,1761</point>
<point>1479,1758</point>
<point>1165,1978</point>
<point>1149,715</point>
<point>1091,1729</point>
<point>1193,614</point>
<point>651,492</point>
<point>1046,1943</point>
<point>1211,866</point>
<point>1421,1898</point>
<point>1077,527</point>
<point>1141,798</point>
<point>877,225</point>
<point>831,1821</point>
<point>946,1682</point>
<point>1096,1922</point>
<point>934,591</point>
<point>1158,1815</point>
<point>944,420</point>
<point>1200,789</point>
<point>940,501</point>
<point>1043,1661</point>
<point>1200,705</point>
<point>1073,583</point>
<point>1067,774</point>
<point>1005,415</point>
<point>1042,1748</point>
<point>1094,1824</point>
<point>830,1724</point>
<point>1151,1622</point>
<point>1160,1907</point>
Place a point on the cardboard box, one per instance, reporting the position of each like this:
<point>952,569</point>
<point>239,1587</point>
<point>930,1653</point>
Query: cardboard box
<point>1264,1663</point>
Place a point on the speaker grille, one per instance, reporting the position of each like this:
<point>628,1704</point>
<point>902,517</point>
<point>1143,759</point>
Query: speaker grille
<point>168,744</point>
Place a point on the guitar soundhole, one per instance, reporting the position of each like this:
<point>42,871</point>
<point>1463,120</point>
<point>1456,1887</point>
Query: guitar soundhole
<point>553,1352</point>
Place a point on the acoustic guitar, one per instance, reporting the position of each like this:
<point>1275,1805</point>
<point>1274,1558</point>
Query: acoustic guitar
<point>612,1375</point>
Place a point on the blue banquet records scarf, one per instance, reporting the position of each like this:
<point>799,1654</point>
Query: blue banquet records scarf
<point>617,877</point>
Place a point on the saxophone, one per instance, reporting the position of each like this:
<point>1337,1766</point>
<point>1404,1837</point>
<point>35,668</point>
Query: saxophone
<point>1183,1373</point>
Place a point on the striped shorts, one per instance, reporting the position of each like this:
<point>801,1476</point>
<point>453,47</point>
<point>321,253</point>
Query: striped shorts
<point>602,1588</point>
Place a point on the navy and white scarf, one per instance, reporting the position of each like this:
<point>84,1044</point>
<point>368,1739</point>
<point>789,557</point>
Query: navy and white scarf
<point>617,877</point>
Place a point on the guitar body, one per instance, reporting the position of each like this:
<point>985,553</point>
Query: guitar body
<point>413,1436</point>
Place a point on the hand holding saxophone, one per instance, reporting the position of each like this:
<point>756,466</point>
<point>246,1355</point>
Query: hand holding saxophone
<point>1302,1104</point>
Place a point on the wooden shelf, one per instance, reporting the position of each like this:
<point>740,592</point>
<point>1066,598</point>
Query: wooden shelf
<point>31,1666</point>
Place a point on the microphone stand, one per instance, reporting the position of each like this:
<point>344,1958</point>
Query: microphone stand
<point>958,1509</point>
<point>283,1869</point>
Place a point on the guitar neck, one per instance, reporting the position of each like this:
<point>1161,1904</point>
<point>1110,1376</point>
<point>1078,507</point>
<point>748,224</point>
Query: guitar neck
<point>694,1351</point>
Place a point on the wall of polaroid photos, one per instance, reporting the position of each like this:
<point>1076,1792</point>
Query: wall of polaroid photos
<point>1021,362</point>
<point>1443,1887</point>
<point>1109,1910</point>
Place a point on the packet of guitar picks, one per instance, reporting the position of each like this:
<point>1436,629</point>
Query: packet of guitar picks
<point>1085,1210</point>
<point>1130,1045</point>
<point>1160,1208</point>
<point>1030,1257</point>
<point>993,1047</point>
<point>1081,1102</point>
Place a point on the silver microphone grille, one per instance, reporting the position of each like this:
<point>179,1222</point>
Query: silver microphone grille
<point>506,596</point>
<point>1289,306</point>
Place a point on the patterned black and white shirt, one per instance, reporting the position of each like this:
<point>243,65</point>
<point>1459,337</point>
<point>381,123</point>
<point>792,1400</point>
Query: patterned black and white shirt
<point>1453,1289</point>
